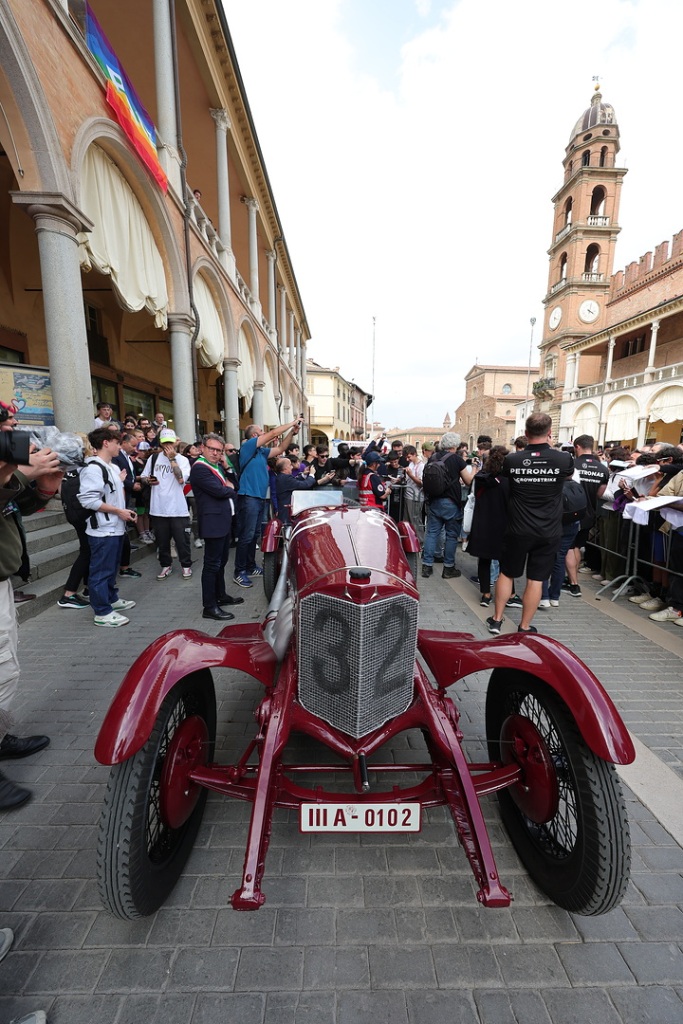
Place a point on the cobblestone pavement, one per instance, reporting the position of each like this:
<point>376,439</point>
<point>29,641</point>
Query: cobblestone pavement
<point>356,929</point>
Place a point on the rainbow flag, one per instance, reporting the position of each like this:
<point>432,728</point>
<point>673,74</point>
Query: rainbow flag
<point>124,101</point>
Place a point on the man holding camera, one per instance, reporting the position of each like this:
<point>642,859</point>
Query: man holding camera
<point>25,490</point>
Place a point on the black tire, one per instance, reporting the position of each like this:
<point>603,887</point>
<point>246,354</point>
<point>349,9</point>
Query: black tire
<point>581,856</point>
<point>139,856</point>
<point>411,558</point>
<point>271,572</point>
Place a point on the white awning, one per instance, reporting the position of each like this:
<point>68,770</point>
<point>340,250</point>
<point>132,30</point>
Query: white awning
<point>121,243</point>
<point>668,405</point>
<point>245,372</point>
<point>210,346</point>
<point>586,420</point>
<point>622,419</point>
<point>270,414</point>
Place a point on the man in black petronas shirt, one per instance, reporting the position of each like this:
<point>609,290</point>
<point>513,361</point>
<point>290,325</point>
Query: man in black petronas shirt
<point>534,530</point>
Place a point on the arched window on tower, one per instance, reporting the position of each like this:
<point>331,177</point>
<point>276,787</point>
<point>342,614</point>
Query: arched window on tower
<point>603,156</point>
<point>568,212</point>
<point>598,201</point>
<point>591,266</point>
<point>563,267</point>
<point>586,158</point>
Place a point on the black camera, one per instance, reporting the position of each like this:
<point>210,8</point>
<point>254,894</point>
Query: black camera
<point>14,447</point>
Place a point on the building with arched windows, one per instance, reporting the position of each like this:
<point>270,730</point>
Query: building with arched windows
<point>612,347</point>
<point>144,261</point>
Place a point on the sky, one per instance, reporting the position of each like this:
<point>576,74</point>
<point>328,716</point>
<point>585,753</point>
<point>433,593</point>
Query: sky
<point>413,148</point>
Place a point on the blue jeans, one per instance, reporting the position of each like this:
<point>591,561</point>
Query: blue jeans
<point>105,558</point>
<point>443,513</point>
<point>250,512</point>
<point>553,589</point>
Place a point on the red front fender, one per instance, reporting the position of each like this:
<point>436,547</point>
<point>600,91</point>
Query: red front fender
<point>409,538</point>
<point>131,715</point>
<point>451,656</point>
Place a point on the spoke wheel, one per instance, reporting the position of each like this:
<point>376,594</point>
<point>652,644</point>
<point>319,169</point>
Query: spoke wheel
<point>567,817</point>
<point>152,811</point>
<point>271,572</point>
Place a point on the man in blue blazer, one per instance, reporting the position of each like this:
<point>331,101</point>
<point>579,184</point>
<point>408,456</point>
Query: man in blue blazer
<point>214,487</point>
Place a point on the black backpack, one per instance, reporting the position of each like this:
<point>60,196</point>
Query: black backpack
<point>574,503</point>
<point>73,510</point>
<point>435,478</point>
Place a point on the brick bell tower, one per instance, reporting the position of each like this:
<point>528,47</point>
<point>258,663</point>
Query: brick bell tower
<point>585,229</point>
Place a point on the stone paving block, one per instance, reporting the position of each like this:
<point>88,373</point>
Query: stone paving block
<point>34,837</point>
<point>381,891</point>
<point>109,932</point>
<point>40,864</point>
<point>172,927</point>
<point>613,927</point>
<point>305,927</point>
<point>49,894</point>
<point>316,860</point>
<point>428,925</point>
<point>578,1006</point>
<point>233,928</point>
<point>365,926</point>
<point>530,966</point>
<point>662,858</point>
<point>440,1007</point>
<point>284,890</point>
<point>336,968</point>
<point>10,893</point>
<point>227,1008</point>
<point>657,923</point>
<point>136,970</point>
<point>200,970</point>
<point>448,889</point>
<point>654,963</point>
<point>486,924</point>
<point>413,860</point>
<point>466,966</point>
<point>266,969</point>
<point>172,1008</point>
<point>371,1008</point>
<point>550,923</point>
<point>337,891</point>
<point>67,971</point>
<point>401,968</point>
<point>649,1006</point>
<point>660,888</point>
<point>73,1009</point>
<point>57,931</point>
<point>594,963</point>
<point>300,1008</point>
<point>511,1008</point>
<point>361,861</point>
<point>16,968</point>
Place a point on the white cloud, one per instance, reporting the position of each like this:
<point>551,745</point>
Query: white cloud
<point>425,201</point>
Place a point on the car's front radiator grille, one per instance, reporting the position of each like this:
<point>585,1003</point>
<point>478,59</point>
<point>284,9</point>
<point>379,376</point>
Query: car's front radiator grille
<point>356,661</point>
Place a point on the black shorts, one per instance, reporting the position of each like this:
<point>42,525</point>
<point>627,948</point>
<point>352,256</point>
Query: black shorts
<point>581,539</point>
<point>538,553</point>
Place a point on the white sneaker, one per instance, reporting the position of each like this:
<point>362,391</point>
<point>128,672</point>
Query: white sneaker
<point>6,940</point>
<point>37,1017</point>
<point>653,604</point>
<point>639,598</point>
<point>146,538</point>
<point>199,543</point>
<point>165,572</point>
<point>112,619</point>
<point>554,604</point>
<point>585,569</point>
<point>187,573</point>
<point>666,614</point>
<point>544,603</point>
<point>122,606</point>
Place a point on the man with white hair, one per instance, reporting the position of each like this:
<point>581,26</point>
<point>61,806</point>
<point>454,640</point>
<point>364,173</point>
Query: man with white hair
<point>441,487</point>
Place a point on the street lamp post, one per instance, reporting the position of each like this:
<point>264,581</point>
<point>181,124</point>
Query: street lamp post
<point>531,345</point>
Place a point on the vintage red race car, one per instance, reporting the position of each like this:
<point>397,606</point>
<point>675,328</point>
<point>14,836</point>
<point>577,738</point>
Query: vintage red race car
<point>342,660</point>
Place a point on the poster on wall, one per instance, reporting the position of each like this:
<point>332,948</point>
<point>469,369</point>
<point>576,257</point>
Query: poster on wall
<point>30,389</point>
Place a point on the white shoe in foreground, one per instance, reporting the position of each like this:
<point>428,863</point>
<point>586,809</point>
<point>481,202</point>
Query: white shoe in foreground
<point>113,619</point>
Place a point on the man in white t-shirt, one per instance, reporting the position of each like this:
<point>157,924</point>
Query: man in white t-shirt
<point>414,498</point>
<point>167,472</point>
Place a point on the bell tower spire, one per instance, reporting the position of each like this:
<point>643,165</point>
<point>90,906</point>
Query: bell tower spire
<point>585,229</point>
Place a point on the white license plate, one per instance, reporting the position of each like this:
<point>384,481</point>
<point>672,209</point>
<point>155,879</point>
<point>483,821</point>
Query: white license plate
<point>360,817</point>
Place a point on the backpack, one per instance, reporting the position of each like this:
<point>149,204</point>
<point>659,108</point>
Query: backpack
<point>574,503</point>
<point>435,478</point>
<point>75,514</point>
